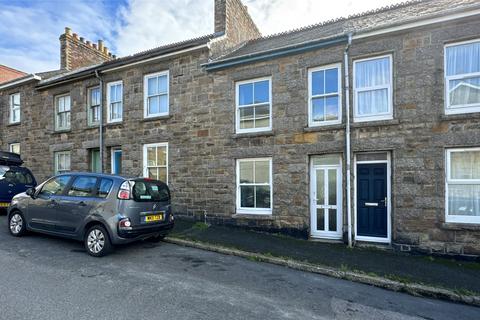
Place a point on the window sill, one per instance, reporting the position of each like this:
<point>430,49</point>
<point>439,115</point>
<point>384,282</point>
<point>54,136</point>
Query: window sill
<point>167,116</point>
<point>374,123</point>
<point>113,124</point>
<point>457,226</point>
<point>62,131</point>
<point>255,216</point>
<point>336,126</point>
<point>460,116</point>
<point>93,126</point>
<point>14,124</point>
<point>254,134</point>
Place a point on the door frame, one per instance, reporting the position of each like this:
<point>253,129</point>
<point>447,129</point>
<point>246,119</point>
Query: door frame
<point>338,235</point>
<point>388,161</point>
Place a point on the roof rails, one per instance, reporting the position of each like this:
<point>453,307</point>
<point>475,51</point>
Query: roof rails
<point>10,158</point>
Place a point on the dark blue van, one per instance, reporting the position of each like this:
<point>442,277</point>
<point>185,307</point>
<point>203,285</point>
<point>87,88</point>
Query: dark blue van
<point>14,179</point>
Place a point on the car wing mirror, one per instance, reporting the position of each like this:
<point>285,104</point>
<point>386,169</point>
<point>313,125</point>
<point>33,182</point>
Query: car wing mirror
<point>30,192</point>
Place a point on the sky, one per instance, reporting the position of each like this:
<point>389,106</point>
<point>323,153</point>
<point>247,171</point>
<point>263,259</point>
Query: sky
<point>29,29</point>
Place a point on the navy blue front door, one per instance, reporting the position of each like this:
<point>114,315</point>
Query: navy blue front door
<point>372,200</point>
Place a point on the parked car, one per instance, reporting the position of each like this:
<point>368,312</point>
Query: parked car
<point>99,209</point>
<point>14,179</point>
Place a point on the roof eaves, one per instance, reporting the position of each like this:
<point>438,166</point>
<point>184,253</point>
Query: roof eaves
<point>275,53</point>
<point>20,81</point>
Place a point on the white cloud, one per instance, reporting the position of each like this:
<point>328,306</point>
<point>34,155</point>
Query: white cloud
<point>29,34</point>
<point>148,23</point>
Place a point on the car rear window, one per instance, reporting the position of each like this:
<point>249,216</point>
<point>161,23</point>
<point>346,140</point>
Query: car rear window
<point>146,191</point>
<point>15,175</point>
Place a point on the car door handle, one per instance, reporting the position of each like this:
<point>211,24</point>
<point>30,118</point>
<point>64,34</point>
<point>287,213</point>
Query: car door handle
<point>82,204</point>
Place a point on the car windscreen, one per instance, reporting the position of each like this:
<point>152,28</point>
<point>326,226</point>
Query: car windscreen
<point>148,191</point>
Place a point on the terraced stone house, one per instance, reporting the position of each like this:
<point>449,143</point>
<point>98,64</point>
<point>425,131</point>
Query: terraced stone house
<point>360,129</point>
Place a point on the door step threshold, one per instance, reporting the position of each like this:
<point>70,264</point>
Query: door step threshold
<point>380,246</point>
<point>325,240</point>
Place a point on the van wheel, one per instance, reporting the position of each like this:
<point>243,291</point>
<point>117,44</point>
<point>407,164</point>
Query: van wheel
<point>16,224</point>
<point>97,243</point>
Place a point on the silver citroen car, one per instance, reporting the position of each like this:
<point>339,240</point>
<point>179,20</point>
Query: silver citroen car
<point>99,209</point>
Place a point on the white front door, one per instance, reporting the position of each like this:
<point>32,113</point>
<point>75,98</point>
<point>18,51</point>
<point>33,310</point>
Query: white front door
<point>326,197</point>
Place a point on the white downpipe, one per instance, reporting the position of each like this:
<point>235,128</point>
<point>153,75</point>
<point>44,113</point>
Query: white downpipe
<point>347,140</point>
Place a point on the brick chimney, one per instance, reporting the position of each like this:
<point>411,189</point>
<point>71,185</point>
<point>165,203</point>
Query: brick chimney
<point>76,52</point>
<point>232,18</point>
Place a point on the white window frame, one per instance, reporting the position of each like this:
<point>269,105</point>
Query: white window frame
<point>311,122</point>
<point>69,126</point>
<point>146,114</point>
<point>11,146</point>
<point>259,211</point>
<point>109,102</point>
<point>237,106</point>
<point>89,106</point>
<point>380,116</point>
<point>449,181</point>
<point>56,158</point>
<point>467,108</point>
<point>145,158</point>
<point>14,108</point>
<point>112,156</point>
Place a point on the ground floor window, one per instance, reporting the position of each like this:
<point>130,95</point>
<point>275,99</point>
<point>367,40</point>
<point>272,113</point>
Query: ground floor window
<point>14,147</point>
<point>62,162</point>
<point>463,185</point>
<point>254,186</point>
<point>95,163</point>
<point>155,161</point>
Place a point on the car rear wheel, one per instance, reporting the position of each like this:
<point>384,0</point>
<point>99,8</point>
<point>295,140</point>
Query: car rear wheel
<point>16,224</point>
<point>97,243</point>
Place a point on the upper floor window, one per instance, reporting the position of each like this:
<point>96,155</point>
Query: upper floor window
<point>156,94</point>
<point>462,185</point>
<point>325,106</point>
<point>62,162</point>
<point>62,112</point>
<point>254,106</point>
<point>15,108</point>
<point>93,105</point>
<point>373,94</point>
<point>462,77</point>
<point>115,101</point>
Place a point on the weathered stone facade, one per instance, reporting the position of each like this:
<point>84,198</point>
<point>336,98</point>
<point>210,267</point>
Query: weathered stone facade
<point>203,145</point>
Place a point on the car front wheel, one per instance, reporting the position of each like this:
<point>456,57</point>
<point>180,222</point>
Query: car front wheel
<point>16,224</point>
<point>97,243</point>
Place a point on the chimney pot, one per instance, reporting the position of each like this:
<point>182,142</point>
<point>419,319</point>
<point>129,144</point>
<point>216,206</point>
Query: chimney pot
<point>105,50</point>
<point>100,45</point>
<point>89,43</point>
<point>94,46</point>
<point>68,31</point>
<point>82,39</point>
<point>75,36</point>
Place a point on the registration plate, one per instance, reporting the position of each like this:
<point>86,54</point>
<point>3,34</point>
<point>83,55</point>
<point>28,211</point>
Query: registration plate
<point>4,204</point>
<point>153,218</point>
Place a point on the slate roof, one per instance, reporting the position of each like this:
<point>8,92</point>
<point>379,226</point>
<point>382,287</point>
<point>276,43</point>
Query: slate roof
<point>165,49</point>
<point>366,21</point>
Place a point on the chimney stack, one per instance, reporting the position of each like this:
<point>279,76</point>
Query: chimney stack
<point>77,52</point>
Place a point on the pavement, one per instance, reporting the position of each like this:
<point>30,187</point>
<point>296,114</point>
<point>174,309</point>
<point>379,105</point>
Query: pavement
<point>44,277</point>
<point>456,275</point>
